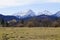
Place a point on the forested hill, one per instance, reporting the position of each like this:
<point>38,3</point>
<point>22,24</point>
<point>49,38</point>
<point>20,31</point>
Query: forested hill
<point>32,21</point>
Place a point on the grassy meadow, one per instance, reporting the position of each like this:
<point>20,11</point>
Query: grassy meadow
<point>16,33</point>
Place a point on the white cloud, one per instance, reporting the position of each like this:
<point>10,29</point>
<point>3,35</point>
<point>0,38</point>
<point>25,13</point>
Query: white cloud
<point>4,3</point>
<point>48,1</point>
<point>8,3</point>
<point>54,1</point>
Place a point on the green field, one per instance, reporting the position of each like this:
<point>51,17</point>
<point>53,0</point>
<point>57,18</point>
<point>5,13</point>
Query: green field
<point>29,33</point>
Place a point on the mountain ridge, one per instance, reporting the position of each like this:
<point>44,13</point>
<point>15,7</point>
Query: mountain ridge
<point>29,14</point>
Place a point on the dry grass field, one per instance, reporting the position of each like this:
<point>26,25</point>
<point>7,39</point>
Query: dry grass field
<point>17,33</point>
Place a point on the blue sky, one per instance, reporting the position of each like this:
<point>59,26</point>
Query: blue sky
<point>8,7</point>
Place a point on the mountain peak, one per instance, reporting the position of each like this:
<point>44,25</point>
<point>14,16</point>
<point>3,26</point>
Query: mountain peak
<point>30,10</point>
<point>46,12</point>
<point>23,14</point>
<point>30,13</point>
<point>57,14</point>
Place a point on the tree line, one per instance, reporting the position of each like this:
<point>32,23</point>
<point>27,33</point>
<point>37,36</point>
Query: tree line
<point>32,22</point>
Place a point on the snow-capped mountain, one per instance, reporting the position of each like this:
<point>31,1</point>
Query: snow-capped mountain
<point>29,13</point>
<point>19,14</point>
<point>46,12</point>
<point>57,14</point>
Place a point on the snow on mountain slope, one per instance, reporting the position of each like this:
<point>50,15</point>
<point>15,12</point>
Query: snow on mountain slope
<point>29,13</point>
<point>57,14</point>
<point>46,12</point>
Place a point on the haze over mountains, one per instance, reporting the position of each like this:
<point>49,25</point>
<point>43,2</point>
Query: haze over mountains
<point>30,18</point>
<point>32,13</point>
